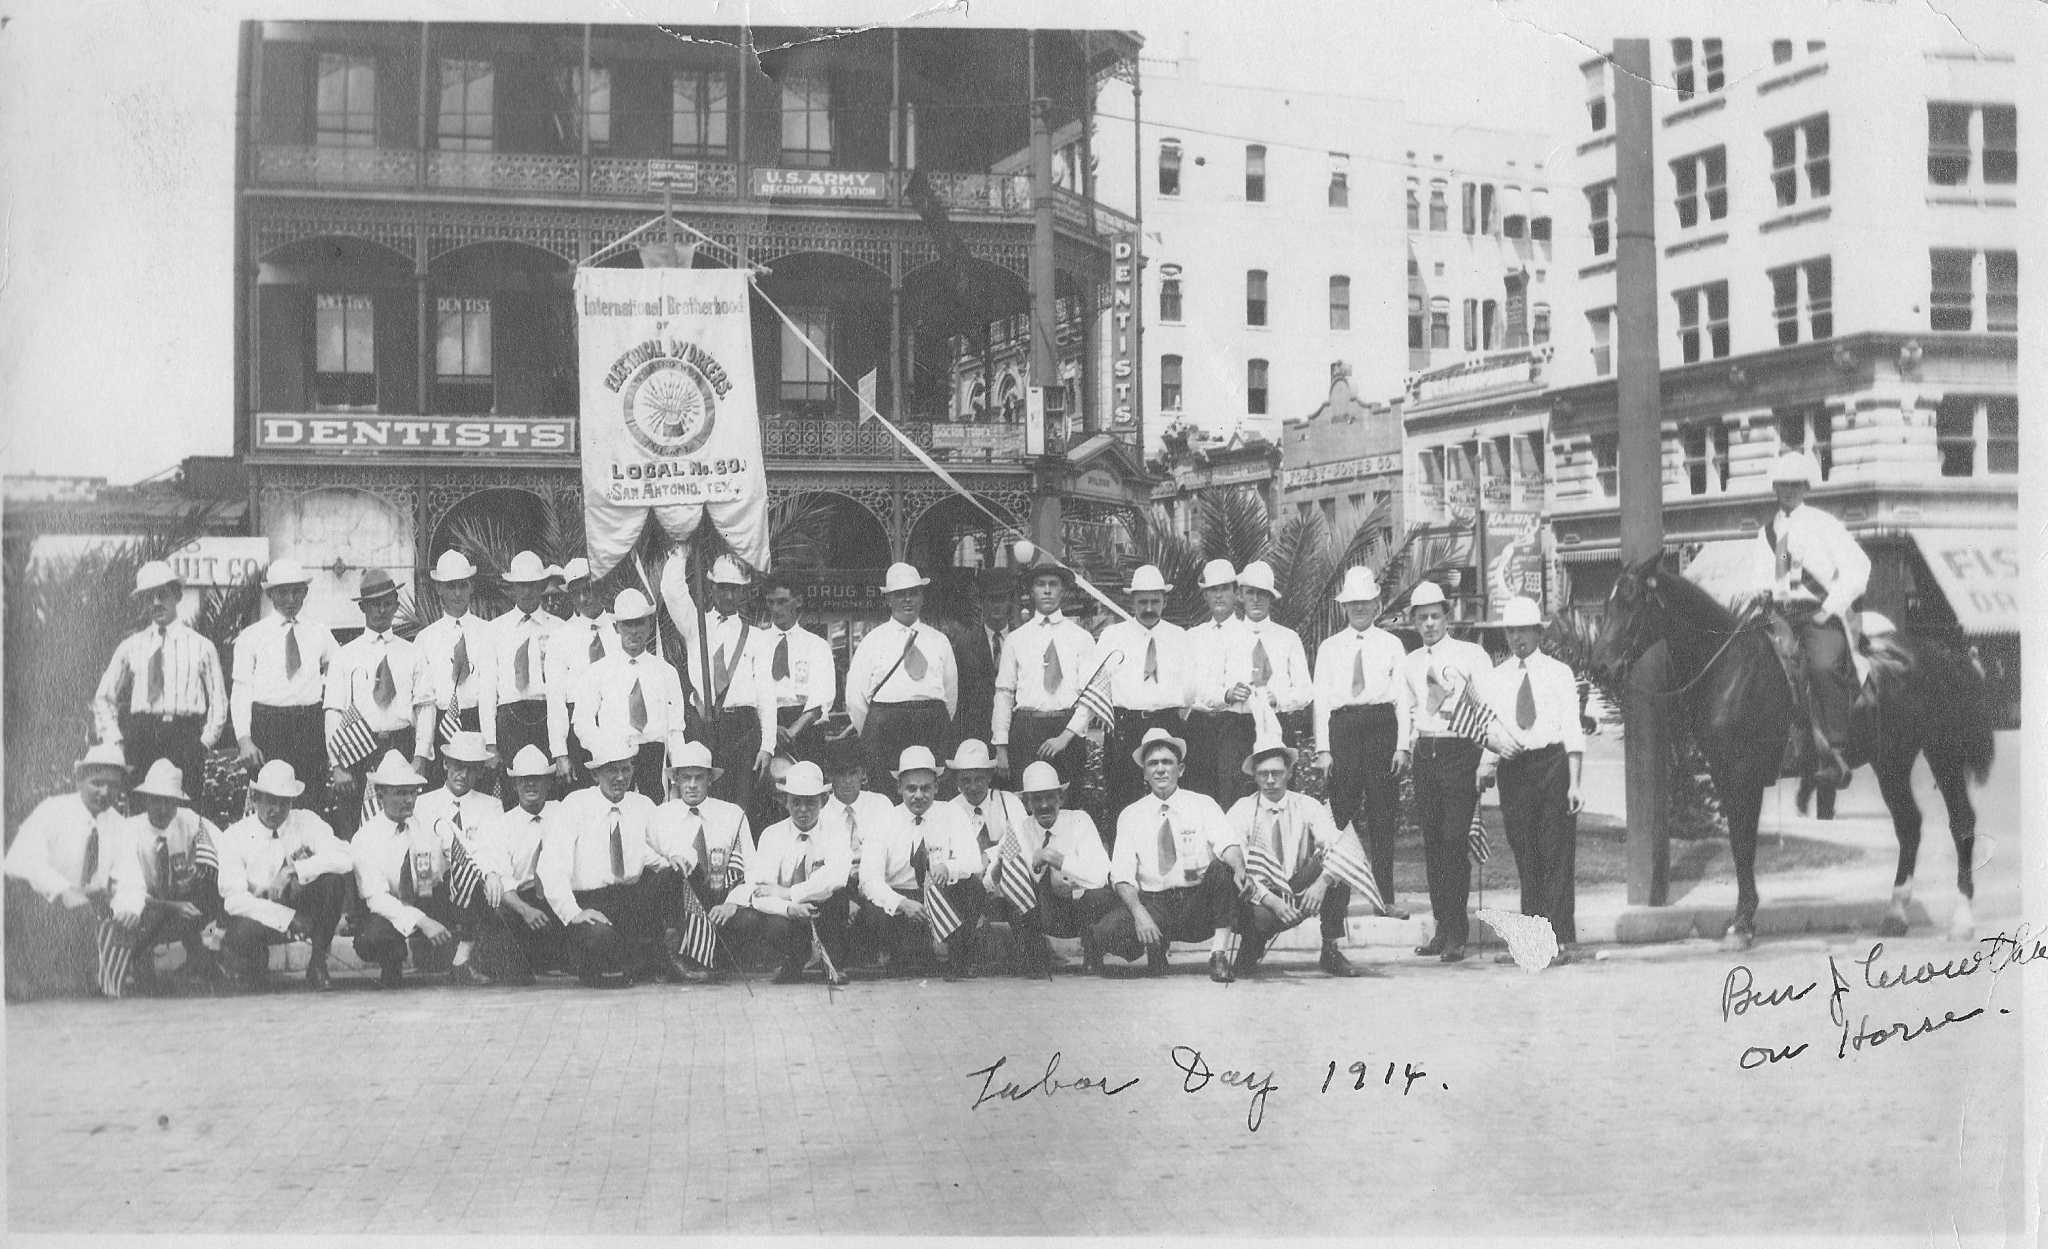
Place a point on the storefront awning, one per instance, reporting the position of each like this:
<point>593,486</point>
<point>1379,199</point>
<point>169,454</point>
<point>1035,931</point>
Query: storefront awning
<point>1979,573</point>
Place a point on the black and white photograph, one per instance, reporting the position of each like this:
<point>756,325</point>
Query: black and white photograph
<point>1141,621</point>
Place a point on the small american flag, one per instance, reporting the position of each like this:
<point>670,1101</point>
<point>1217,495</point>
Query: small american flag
<point>1346,860</point>
<point>1095,695</point>
<point>351,742</point>
<point>1472,718</point>
<point>205,857</point>
<point>464,876</point>
<point>736,862</point>
<point>938,912</point>
<point>700,935</point>
<point>1013,875</point>
<point>116,948</point>
<point>1476,840</point>
<point>449,721</point>
<point>1260,866</point>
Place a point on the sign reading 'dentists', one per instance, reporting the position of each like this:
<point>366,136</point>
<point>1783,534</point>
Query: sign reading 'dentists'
<point>418,435</point>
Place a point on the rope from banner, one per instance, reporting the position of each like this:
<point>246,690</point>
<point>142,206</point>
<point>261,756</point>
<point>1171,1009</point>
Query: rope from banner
<point>931,465</point>
<point>668,218</point>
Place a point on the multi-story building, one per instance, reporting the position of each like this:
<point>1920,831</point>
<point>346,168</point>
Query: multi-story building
<point>1838,239</point>
<point>414,201</point>
<point>1343,460</point>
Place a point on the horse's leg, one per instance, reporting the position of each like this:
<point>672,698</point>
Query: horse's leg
<point>1952,777</point>
<point>1742,804</point>
<point>1894,770</point>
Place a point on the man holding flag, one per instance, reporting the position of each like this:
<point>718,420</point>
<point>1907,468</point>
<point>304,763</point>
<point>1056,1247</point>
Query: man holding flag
<point>735,693</point>
<point>379,698</point>
<point>1044,665</point>
<point>512,698</point>
<point>1292,865</point>
<point>709,839</point>
<point>1148,682</point>
<point>283,875</point>
<point>1361,719</point>
<point>163,885</point>
<point>920,874</point>
<point>457,644</point>
<point>796,890</point>
<point>1437,683</point>
<point>1050,873</point>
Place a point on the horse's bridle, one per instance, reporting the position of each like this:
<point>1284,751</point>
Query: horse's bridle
<point>1741,627</point>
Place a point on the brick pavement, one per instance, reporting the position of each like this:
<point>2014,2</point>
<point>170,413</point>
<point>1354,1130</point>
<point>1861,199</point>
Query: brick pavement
<point>1600,1098</point>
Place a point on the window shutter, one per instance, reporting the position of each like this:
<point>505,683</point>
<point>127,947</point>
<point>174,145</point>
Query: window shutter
<point>284,317</point>
<point>287,93</point>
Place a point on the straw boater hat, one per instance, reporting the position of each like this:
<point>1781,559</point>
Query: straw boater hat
<point>556,576</point>
<point>903,577</point>
<point>1521,613</point>
<point>805,781</point>
<point>1148,578</point>
<point>917,759</point>
<point>155,575</point>
<point>1041,777</point>
<point>1359,586</point>
<point>1266,747</point>
<point>530,761</point>
<point>685,755</point>
<point>1154,737</point>
<point>393,772</point>
<point>284,572</point>
<point>278,780</point>
<point>1218,573</point>
<point>525,569</point>
<point>971,756</point>
<point>631,605</point>
<point>610,748</point>
<point>102,755</point>
<point>725,570</point>
<point>1794,466</point>
<point>1427,594</point>
<point>376,584</point>
<point>1258,575</point>
<point>453,566</point>
<point>576,570</point>
<point>164,781</point>
<point>466,747</point>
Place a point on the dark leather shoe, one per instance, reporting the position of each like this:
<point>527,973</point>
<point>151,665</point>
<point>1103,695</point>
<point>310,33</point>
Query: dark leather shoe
<point>1453,954</point>
<point>466,974</point>
<point>1431,950</point>
<point>1091,958</point>
<point>1334,963</point>
<point>391,976</point>
<point>1155,960</point>
<point>789,973</point>
<point>1248,961</point>
<point>1395,912</point>
<point>1219,968</point>
<point>676,971</point>
<point>317,978</point>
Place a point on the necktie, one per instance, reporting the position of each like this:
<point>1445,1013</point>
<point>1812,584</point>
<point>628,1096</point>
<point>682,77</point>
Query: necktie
<point>1273,838</point>
<point>386,688</point>
<point>618,834</point>
<point>723,674</point>
<point>461,656</point>
<point>852,829</point>
<point>292,658</point>
<point>458,821</point>
<point>913,660</point>
<point>522,660</point>
<point>156,672</point>
<point>698,836</point>
<point>1262,667</point>
<point>1437,692</point>
<point>1358,669</point>
<point>636,706</point>
<point>1525,702</point>
<point>1152,660</point>
<point>1784,552</point>
<point>1053,671</point>
<point>92,855</point>
<point>596,643</point>
<point>780,668</point>
<point>408,883</point>
<point>981,833</point>
<point>163,866</point>
<point>533,864</point>
<point>995,648</point>
<point>1169,850</point>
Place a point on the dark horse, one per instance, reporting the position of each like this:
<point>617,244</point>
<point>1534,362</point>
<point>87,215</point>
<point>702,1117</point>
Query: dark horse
<point>1727,684</point>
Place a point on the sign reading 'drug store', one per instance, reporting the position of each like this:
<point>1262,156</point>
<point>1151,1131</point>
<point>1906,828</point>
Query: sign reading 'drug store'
<point>669,417</point>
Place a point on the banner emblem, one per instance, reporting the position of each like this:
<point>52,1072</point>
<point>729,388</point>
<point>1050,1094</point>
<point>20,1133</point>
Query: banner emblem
<point>670,406</point>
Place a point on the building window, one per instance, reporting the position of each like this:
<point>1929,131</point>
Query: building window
<point>1169,383</point>
<point>1819,279</point>
<point>1781,51</point>
<point>344,361</point>
<point>700,113</point>
<point>1712,300</point>
<point>1255,297</point>
<point>1596,93</point>
<point>1414,205</point>
<point>1963,422</point>
<point>1340,180</point>
<point>1600,327</point>
<point>1255,381</point>
<point>1682,68</point>
<point>1469,205</point>
<point>1950,301</point>
<point>1710,61</point>
<point>1169,166</point>
<point>1599,202</point>
<point>1471,319</point>
<point>1418,334</point>
<point>1439,208</point>
<point>467,88</point>
<point>1340,302</point>
<point>345,101</point>
<point>1539,324</point>
<point>1489,324</point>
<point>1254,173</point>
<point>1705,449</point>
<point>1489,209</point>
<point>2001,144</point>
<point>1708,168</point>
<point>1785,142</point>
<point>2002,292</point>
<point>588,112</point>
<point>806,384</point>
<point>1606,462</point>
<point>462,354</point>
<point>1949,147</point>
<point>1439,324</point>
<point>807,121</point>
<point>1169,299</point>
<point>1809,428</point>
<point>2002,434</point>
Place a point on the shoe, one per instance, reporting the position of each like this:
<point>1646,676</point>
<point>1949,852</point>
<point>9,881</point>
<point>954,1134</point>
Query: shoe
<point>675,971</point>
<point>1453,954</point>
<point>789,973</point>
<point>590,979</point>
<point>1091,958</point>
<point>1155,960</point>
<point>1219,968</point>
<point>1503,960</point>
<point>1332,962</point>
<point>391,976</point>
<point>1431,950</point>
<point>1395,912</point>
<point>1248,961</point>
<point>317,978</point>
<point>1565,956</point>
<point>466,974</point>
<point>835,978</point>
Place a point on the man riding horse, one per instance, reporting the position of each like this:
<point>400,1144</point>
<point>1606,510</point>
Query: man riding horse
<point>1816,574</point>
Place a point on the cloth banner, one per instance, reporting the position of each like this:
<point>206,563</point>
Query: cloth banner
<point>671,423</point>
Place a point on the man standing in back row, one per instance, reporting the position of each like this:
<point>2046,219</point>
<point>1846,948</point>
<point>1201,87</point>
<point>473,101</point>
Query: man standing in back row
<point>902,687</point>
<point>281,665</point>
<point>1361,719</point>
<point>1435,678</point>
<point>1148,683</point>
<point>1045,663</point>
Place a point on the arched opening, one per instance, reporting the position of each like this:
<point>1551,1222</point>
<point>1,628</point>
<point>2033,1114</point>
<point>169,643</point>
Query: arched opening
<point>841,307</point>
<point>502,332</point>
<point>490,527</point>
<point>823,531</point>
<point>954,533</point>
<point>338,534</point>
<point>335,328</point>
<point>969,324</point>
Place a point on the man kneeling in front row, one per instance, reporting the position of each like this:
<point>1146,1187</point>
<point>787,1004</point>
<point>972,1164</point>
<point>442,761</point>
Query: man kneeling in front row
<point>796,885</point>
<point>1287,838</point>
<point>283,877</point>
<point>1068,889</point>
<point>1176,867</point>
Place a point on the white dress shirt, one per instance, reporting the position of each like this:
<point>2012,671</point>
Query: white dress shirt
<point>1200,831</point>
<point>749,685</point>
<point>261,671</point>
<point>999,812</point>
<point>1453,663</point>
<point>438,642</point>
<point>1074,836</point>
<point>1556,694</point>
<point>49,851</point>
<point>576,852</point>
<point>1290,685</point>
<point>876,657</point>
<point>604,704</point>
<point>1021,673</point>
<point>192,684</point>
<point>508,846</point>
<point>380,849</point>
<point>143,852</point>
<point>887,875</point>
<point>810,683</point>
<point>352,682</point>
<point>699,836</point>
<point>1819,546</point>
<point>1208,676</point>
<point>1167,644</point>
<point>473,811</point>
<point>811,865</point>
<point>566,659</point>
<point>1338,663</point>
<point>1306,828</point>
<point>251,857</point>
<point>867,811</point>
<point>498,665</point>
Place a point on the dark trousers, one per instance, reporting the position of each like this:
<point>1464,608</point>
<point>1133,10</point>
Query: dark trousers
<point>1445,794</point>
<point>1059,915</point>
<point>526,949</point>
<point>319,902</point>
<point>146,739</point>
<point>1256,926</point>
<point>1830,678</point>
<point>1218,742</point>
<point>347,813</point>
<point>650,771</point>
<point>1362,742</point>
<point>735,744</point>
<point>51,948</point>
<point>785,940</point>
<point>521,724</point>
<point>808,746</point>
<point>1031,729</point>
<point>1123,781</point>
<point>891,727</point>
<point>1535,808</point>
<point>1192,913</point>
<point>910,939</point>
<point>124,950</point>
<point>297,735</point>
<point>639,911</point>
<point>379,941</point>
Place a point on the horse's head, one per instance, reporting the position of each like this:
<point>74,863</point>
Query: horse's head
<point>1632,621</point>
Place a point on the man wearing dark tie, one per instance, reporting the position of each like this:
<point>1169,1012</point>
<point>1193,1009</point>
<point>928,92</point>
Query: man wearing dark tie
<point>982,650</point>
<point>1434,678</point>
<point>163,695</point>
<point>281,665</point>
<point>512,701</point>
<point>798,884</point>
<point>57,869</point>
<point>902,687</point>
<point>1148,682</point>
<point>381,678</point>
<point>802,671</point>
<point>736,695</point>
<point>1046,662</point>
<point>633,696</point>
<point>585,636</point>
<point>1361,719</point>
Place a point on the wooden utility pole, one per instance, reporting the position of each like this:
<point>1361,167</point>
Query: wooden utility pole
<point>1046,521</point>
<point>1639,459</point>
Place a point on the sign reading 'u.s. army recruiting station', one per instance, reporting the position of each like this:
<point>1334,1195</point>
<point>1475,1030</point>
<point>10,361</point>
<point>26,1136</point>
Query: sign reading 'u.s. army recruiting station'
<point>419,435</point>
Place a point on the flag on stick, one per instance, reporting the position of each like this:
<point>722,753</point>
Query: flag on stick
<point>116,949</point>
<point>1095,694</point>
<point>939,912</point>
<point>700,935</point>
<point>1472,718</point>
<point>351,742</point>
<point>1260,866</point>
<point>464,876</point>
<point>1476,840</point>
<point>736,862</point>
<point>1013,876</point>
<point>1347,862</point>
